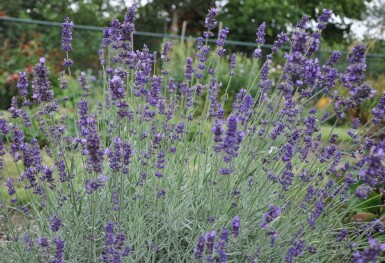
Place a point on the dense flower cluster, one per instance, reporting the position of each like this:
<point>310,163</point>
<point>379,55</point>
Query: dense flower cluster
<point>181,170</point>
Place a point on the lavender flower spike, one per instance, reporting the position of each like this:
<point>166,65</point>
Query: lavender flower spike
<point>261,34</point>
<point>59,254</point>
<point>116,87</point>
<point>41,86</point>
<point>199,248</point>
<point>22,84</point>
<point>235,224</point>
<point>210,21</point>
<point>165,52</point>
<point>66,43</point>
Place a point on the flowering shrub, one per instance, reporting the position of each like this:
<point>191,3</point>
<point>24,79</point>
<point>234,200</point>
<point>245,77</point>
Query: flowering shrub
<point>146,179</point>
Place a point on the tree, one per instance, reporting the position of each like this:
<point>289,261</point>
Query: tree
<point>283,14</point>
<point>168,15</point>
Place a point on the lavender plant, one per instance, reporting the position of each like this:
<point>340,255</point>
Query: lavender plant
<point>153,175</point>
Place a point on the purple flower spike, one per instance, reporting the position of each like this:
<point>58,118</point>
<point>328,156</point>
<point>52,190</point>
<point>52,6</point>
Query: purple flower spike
<point>83,82</point>
<point>379,110</point>
<point>165,52</point>
<point>233,61</point>
<point>128,26</point>
<point>22,84</point>
<point>41,86</point>
<point>55,223</point>
<point>235,224</point>
<point>210,21</point>
<point>93,148</point>
<point>189,70</point>
<point>66,43</point>
<point>230,143</point>
<point>199,248</point>
<point>210,238</point>
<point>117,88</point>
<point>323,19</point>
<point>59,253</point>
<point>282,38</point>
<point>10,185</point>
<point>261,34</point>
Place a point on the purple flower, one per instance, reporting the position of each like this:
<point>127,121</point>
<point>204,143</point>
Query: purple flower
<point>114,248</point>
<point>116,156</point>
<point>4,126</point>
<point>93,148</point>
<point>369,254</point>
<point>274,212</point>
<point>323,19</point>
<point>261,34</point>
<point>41,86</point>
<point>217,130</point>
<point>165,51</point>
<point>199,248</point>
<point>222,39</point>
<point>233,61</point>
<point>127,152</point>
<point>257,53</point>
<point>18,143</point>
<point>161,159</point>
<point>14,109</point>
<point>220,246</point>
<point>83,82</point>
<point>2,153</point>
<point>235,224</point>
<point>29,242</point>
<point>371,174</point>
<point>189,70</point>
<point>363,191</point>
<point>83,117</point>
<point>22,84</point>
<point>9,184</point>
<point>128,26</point>
<point>154,96</point>
<point>68,63</point>
<point>342,235</point>
<point>282,38</point>
<point>356,123</point>
<point>62,171</point>
<point>161,193</point>
<point>210,238</point>
<point>273,236</point>
<point>43,242</point>
<point>94,184</point>
<point>379,110</point>
<point>55,223</point>
<point>210,21</point>
<point>295,250</point>
<point>117,88</point>
<point>63,81</point>
<point>172,85</point>
<point>316,213</point>
<point>302,23</point>
<point>353,79</point>
<point>230,144</point>
<point>66,42</point>
<point>59,253</point>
